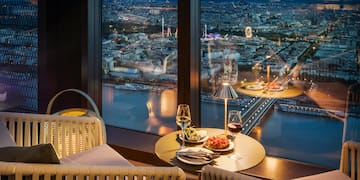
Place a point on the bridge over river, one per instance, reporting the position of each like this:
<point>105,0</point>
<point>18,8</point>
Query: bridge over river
<point>254,112</point>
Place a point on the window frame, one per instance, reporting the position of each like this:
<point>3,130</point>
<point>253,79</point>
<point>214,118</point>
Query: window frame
<point>91,50</point>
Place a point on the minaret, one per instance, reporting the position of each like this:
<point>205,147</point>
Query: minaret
<point>162,27</point>
<point>165,64</point>
<point>358,55</point>
<point>176,33</point>
<point>168,32</point>
<point>209,56</point>
<point>205,31</point>
<point>279,41</point>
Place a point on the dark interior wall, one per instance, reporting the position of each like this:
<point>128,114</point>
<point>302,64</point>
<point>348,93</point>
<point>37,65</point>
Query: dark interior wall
<point>59,51</point>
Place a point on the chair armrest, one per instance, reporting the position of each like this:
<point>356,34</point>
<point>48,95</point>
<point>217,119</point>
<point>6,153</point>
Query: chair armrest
<point>37,171</point>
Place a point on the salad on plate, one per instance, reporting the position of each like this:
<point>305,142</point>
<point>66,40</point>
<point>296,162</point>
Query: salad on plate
<point>193,135</point>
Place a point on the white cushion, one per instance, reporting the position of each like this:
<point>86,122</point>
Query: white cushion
<point>330,175</point>
<point>102,155</point>
<point>5,137</point>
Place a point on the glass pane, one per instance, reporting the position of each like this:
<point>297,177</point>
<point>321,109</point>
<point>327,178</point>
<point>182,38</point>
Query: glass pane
<point>291,63</point>
<point>18,55</point>
<point>139,55</point>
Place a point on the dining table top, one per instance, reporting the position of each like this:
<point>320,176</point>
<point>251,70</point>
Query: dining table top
<point>250,150</point>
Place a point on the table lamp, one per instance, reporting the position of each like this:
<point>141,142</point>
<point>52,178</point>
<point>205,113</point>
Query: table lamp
<point>225,91</point>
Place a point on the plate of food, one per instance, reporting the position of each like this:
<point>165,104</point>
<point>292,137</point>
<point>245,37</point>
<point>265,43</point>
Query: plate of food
<point>194,136</point>
<point>196,155</point>
<point>254,87</point>
<point>219,143</point>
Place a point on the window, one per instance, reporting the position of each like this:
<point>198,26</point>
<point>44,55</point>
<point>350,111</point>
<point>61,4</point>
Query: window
<point>291,64</point>
<point>18,55</point>
<point>139,55</point>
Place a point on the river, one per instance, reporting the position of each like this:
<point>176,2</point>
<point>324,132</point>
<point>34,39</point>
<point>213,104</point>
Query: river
<point>300,137</point>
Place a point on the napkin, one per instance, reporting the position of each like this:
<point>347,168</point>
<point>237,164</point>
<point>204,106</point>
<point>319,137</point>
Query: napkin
<point>198,156</point>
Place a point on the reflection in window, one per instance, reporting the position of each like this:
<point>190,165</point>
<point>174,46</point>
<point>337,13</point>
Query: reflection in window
<point>291,64</point>
<point>139,55</point>
<point>18,55</point>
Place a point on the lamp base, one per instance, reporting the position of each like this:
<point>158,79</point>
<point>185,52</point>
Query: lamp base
<point>225,117</point>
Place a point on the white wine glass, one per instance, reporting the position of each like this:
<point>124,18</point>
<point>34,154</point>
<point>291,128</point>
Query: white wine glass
<point>234,126</point>
<point>183,119</point>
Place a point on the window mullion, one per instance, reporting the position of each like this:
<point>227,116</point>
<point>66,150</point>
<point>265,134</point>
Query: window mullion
<point>189,56</point>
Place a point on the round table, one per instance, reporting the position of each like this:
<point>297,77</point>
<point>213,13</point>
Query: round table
<point>250,150</point>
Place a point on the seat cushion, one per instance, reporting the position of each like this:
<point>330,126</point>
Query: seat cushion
<point>5,137</point>
<point>102,155</point>
<point>41,153</point>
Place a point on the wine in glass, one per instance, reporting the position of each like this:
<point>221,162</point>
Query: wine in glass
<point>234,126</point>
<point>183,119</point>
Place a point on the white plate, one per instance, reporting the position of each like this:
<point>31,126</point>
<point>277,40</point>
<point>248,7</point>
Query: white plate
<point>230,147</point>
<point>254,87</point>
<point>194,162</point>
<point>203,139</point>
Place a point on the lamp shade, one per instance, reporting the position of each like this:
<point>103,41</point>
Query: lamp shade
<point>226,91</point>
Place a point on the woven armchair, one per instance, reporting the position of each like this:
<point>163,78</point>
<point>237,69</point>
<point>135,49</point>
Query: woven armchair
<point>69,136</point>
<point>350,159</point>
